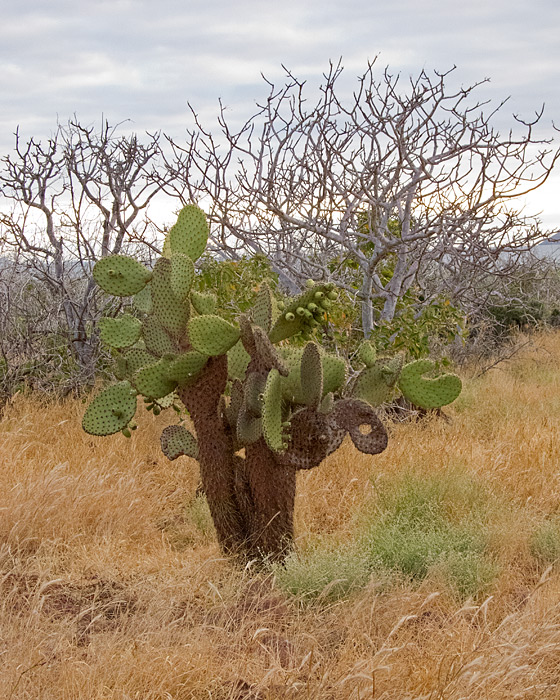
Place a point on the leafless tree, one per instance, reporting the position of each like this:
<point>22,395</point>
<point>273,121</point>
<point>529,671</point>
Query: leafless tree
<point>400,176</point>
<point>80,196</point>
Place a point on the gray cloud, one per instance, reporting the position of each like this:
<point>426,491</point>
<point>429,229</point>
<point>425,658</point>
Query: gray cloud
<point>144,60</point>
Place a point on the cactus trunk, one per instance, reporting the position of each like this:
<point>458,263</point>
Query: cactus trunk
<point>251,499</point>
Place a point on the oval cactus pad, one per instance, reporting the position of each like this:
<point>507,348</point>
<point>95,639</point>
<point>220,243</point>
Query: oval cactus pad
<point>425,392</point>
<point>190,234</point>
<point>120,275</point>
<point>111,410</point>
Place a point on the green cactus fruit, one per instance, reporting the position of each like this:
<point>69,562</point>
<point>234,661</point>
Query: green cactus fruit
<point>171,312</point>
<point>293,321</point>
<point>238,360</point>
<point>263,308</point>
<point>182,275</point>
<point>425,392</point>
<point>120,332</point>
<point>111,410</point>
<point>177,441</point>
<point>185,369</point>
<point>143,300</point>
<point>249,427</point>
<point>311,375</point>
<point>189,235</point>
<point>156,338</point>
<point>212,335</point>
<point>126,432</point>
<point>153,381</point>
<point>204,303</point>
<point>120,275</point>
<point>367,353</point>
<point>272,412</point>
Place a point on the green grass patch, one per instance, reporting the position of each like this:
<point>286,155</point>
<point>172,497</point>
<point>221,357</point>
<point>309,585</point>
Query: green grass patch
<point>545,542</point>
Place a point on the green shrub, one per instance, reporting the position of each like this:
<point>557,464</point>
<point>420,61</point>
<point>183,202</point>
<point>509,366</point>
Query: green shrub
<point>545,542</point>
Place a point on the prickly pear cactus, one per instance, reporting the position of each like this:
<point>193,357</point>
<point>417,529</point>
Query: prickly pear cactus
<point>260,411</point>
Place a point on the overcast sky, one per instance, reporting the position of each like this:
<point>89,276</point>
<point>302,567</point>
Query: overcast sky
<point>144,60</point>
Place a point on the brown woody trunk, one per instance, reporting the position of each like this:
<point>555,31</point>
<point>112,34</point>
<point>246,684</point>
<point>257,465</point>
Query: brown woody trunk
<point>251,500</point>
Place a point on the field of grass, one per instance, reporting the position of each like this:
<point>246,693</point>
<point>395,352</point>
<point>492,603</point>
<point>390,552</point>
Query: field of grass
<point>431,571</point>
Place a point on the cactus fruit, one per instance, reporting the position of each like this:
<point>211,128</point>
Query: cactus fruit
<point>177,441</point>
<point>120,332</point>
<point>425,392</point>
<point>120,275</point>
<point>290,322</point>
<point>212,335</point>
<point>189,235</point>
<point>111,410</point>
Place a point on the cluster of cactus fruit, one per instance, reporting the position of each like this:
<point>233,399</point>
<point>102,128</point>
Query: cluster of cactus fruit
<point>285,407</point>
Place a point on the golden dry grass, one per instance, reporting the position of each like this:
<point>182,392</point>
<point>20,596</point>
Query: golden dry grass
<point>112,587</point>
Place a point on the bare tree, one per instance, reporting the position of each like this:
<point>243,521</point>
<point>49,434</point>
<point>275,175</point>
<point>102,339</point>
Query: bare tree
<point>400,174</point>
<point>80,196</point>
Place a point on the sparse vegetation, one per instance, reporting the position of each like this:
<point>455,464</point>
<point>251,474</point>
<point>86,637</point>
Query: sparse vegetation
<point>113,585</point>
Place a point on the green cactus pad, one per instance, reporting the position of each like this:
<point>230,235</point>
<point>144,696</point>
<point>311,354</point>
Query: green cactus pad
<point>327,403</point>
<point>120,275</point>
<point>212,335</point>
<point>153,381</point>
<point>249,427</point>
<point>120,332</point>
<point>111,410</point>
<point>238,360</point>
<point>272,412</point>
<point>263,308</point>
<point>367,353</point>
<point>204,303</point>
<point>186,367</point>
<point>171,312</point>
<point>143,300</point>
<point>177,441</point>
<point>182,275</point>
<point>190,234</point>
<point>372,385</point>
<point>311,375</point>
<point>424,392</point>
<point>334,373</point>
<point>131,361</point>
<point>290,322</point>
<point>253,392</point>
<point>156,338</point>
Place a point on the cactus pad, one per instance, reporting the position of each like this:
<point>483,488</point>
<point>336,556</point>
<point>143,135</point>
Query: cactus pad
<point>111,410</point>
<point>186,367</point>
<point>120,275</point>
<point>373,384</point>
<point>249,427</point>
<point>272,411</point>
<point>424,392</point>
<point>238,360</point>
<point>182,275</point>
<point>360,420</point>
<point>177,441</point>
<point>212,335</point>
<point>204,303</point>
<point>156,338</point>
<point>132,360</point>
<point>190,234</point>
<point>171,312</point>
<point>153,381</point>
<point>143,300</point>
<point>311,375</point>
<point>314,436</point>
<point>367,353</point>
<point>120,332</point>
<point>263,308</point>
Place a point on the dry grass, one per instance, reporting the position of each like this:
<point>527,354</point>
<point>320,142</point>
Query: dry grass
<point>112,587</point>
